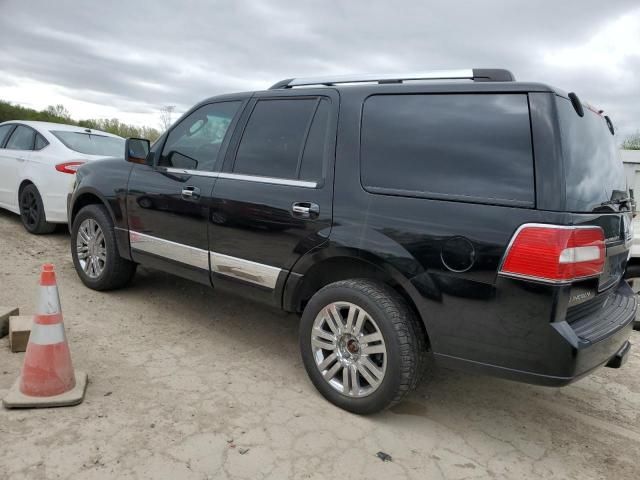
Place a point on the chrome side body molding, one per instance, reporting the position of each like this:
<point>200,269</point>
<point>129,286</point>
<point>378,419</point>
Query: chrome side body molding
<point>246,178</point>
<point>257,273</point>
<point>178,252</point>
<point>239,268</point>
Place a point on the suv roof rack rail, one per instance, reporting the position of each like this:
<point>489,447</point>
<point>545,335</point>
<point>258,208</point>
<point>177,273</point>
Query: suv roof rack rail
<point>475,74</point>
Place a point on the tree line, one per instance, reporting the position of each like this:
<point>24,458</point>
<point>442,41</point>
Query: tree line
<point>59,114</point>
<point>632,142</point>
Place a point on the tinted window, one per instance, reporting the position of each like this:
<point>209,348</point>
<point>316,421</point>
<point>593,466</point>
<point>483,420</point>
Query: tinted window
<point>273,138</point>
<point>593,169</point>
<point>456,146</point>
<point>4,131</point>
<point>40,142</point>
<point>314,149</point>
<point>22,138</point>
<point>91,143</point>
<point>195,142</point>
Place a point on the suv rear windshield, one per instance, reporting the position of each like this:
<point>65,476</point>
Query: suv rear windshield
<point>463,147</point>
<point>92,144</point>
<point>593,168</point>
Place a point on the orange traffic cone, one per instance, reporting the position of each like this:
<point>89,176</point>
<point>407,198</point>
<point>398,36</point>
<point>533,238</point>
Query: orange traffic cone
<point>47,379</point>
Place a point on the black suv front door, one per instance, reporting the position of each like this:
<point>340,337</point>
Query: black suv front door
<point>168,202</point>
<point>272,202</point>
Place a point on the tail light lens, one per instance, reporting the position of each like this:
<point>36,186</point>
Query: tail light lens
<point>555,253</point>
<point>69,167</point>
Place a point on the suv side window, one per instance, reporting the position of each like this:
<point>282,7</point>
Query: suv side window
<point>22,138</point>
<point>4,131</point>
<point>284,138</point>
<point>195,142</point>
<point>465,147</point>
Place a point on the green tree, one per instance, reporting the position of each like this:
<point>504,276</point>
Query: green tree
<point>59,114</point>
<point>58,111</point>
<point>632,142</point>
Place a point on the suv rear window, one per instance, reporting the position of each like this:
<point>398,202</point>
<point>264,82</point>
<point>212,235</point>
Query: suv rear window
<point>91,143</point>
<point>465,147</point>
<point>593,169</point>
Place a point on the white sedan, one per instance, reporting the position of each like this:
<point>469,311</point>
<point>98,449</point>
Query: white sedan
<point>38,161</point>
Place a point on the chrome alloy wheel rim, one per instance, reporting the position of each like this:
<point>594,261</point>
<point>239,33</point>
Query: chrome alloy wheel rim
<point>91,248</point>
<point>349,349</point>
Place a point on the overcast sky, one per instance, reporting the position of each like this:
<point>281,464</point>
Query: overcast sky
<point>127,59</point>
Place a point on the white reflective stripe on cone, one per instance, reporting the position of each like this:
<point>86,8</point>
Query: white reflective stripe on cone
<point>47,334</point>
<point>49,301</point>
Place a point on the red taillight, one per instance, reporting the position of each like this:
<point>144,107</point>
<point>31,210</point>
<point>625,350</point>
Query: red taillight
<point>554,253</point>
<point>68,167</point>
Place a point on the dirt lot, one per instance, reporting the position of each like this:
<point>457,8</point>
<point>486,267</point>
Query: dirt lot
<point>183,380</point>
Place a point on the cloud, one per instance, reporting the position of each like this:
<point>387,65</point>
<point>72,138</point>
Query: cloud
<point>133,57</point>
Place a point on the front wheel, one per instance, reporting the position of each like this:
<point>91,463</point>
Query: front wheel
<point>95,252</point>
<point>361,345</point>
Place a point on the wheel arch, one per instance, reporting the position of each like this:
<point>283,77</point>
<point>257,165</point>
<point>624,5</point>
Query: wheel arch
<point>23,183</point>
<point>89,196</point>
<point>325,266</point>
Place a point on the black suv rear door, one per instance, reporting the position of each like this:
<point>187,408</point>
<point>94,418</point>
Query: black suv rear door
<point>273,200</point>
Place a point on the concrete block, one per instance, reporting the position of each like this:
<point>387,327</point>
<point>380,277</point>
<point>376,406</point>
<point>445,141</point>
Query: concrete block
<point>19,331</point>
<point>5,313</point>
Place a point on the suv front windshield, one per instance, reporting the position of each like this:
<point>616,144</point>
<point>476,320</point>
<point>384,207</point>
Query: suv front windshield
<point>91,143</point>
<point>593,169</point>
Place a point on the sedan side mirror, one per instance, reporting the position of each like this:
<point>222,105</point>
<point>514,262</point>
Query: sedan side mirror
<point>136,150</point>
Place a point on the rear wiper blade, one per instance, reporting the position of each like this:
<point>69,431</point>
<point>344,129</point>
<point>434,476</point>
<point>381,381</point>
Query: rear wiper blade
<point>617,201</point>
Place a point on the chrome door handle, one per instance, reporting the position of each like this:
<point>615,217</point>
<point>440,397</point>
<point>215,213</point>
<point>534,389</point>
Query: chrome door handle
<point>20,159</point>
<point>191,192</point>
<point>305,209</point>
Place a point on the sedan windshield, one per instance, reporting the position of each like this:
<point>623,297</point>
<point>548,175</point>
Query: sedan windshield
<point>92,144</point>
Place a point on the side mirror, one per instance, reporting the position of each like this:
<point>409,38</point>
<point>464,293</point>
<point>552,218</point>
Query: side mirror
<point>136,150</point>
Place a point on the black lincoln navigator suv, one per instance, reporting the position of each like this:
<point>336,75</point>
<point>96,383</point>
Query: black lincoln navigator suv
<point>456,217</point>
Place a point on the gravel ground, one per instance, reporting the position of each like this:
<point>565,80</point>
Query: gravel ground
<point>190,383</point>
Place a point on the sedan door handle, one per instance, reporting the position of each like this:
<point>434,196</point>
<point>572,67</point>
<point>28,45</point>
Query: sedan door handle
<point>21,159</point>
<point>190,192</point>
<point>305,209</point>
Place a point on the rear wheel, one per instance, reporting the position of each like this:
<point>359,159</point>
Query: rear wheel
<point>361,345</point>
<point>32,211</point>
<point>632,276</point>
<point>95,251</point>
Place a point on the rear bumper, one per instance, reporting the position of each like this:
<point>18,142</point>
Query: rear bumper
<point>598,340</point>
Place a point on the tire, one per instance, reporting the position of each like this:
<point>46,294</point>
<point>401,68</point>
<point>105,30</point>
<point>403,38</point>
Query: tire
<point>107,270</point>
<point>632,275</point>
<point>32,211</point>
<point>385,314</point>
